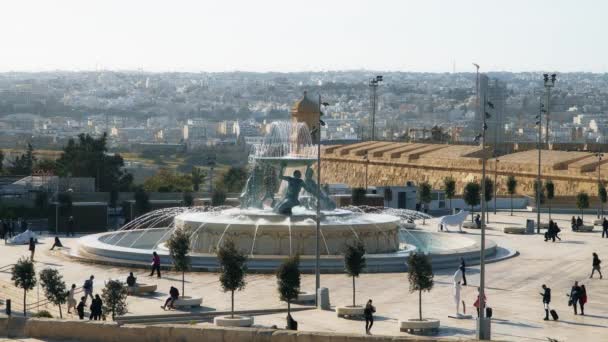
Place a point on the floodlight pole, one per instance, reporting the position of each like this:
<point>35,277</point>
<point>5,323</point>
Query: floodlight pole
<point>318,216</point>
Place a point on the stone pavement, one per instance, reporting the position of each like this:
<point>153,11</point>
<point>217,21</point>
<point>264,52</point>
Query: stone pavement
<point>513,288</point>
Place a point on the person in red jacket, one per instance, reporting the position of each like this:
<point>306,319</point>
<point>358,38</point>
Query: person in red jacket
<point>155,264</point>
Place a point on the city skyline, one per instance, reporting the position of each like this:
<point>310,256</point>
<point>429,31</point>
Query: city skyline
<point>416,36</point>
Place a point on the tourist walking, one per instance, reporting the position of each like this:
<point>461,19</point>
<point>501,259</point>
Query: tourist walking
<point>155,264</point>
<point>57,243</point>
<point>368,312</point>
<point>546,294</point>
<point>32,248</point>
<point>462,269</point>
<point>605,228</point>
<point>96,306</point>
<point>71,299</point>
<point>88,288</point>
<point>583,299</point>
<point>80,307</point>
<point>596,266</point>
<point>173,296</point>
<point>575,296</point>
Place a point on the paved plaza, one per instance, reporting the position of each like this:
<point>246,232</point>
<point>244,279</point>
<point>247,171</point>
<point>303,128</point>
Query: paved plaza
<point>513,288</point>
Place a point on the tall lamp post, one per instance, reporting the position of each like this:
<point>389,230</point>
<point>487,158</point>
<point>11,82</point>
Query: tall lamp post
<point>373,85</point>
<point>539,123</point>
<point>496,160</point>
<point>321,123</point>
<point>483,323</point>
<point>599,183</point>
<point>549,83</point>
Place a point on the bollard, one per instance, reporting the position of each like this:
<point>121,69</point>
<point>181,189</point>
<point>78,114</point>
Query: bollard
<point>323,299</point>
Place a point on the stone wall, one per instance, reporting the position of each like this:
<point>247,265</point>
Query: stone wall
<point>96,331</point>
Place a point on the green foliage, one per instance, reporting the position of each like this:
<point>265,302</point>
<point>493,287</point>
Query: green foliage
<point>47,165</point>
<point>424,193</point>
<point>188,199</point>
<point>42,314</point>
<point>449,186</point>
<point>536,193</point>
<point>288,280</point>
<point>197,177</point>
<point>54,287</point>
<point>234,179</point>
<point>358,196</point>
<point>472,194</point>
<point>233,269</point>
<point>179,247</point>
<point>511,185</point>
<point>218,197</point>
<point>550,188</point>
<point>65,203</point>
<point>166,180</point>
<point>88,157</point>
<point>41,200</point>
<point>142,201</point>
<point>420,275</point>
<point>354,261</point>
<point>489,190</point>
<point>24,276</point>
<point>582,200</point>
<point>23,164</point>
<point>601,192</point>
<point>114,297</point>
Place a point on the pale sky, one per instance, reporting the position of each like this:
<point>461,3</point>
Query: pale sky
<point>288,35</point>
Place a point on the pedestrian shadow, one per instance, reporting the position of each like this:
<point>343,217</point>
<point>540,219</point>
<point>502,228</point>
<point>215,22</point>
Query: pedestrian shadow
<point>448,331</point>
<point>514,324</point>
<point>573,242</point>
<point>596,316</point>
<point>176,279</point>
<point>583,324</point>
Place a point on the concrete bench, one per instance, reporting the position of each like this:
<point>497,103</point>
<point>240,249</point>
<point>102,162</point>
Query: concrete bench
<point>139,289</point>
<point>583,229</point>
<point>598,222</point>
<point>514,230</point>
<point>428,326</point>
<point>350,311</point>
<point>188,302</point>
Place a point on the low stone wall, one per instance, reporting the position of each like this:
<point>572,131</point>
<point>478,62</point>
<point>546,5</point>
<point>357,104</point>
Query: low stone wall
<point>91,331</point>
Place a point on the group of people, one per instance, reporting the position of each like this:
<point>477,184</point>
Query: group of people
<point>96,307</point>
<point>576,223</point>
<point>552,232</point>
<point>9,227</point>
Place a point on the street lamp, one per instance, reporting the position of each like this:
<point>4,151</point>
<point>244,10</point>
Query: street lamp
<point>373,85</point>
<point>549,83</point>
<point>483,323</point>
<point>599,183</point>
<point>539,123</point>
<point>366,158</point>
<point>496,160</point>
<point>318,216</point>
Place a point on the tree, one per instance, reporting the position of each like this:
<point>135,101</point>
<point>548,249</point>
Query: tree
<point>449,186</point>
<point>179,247</point>
<point>188,199</point>
<point>288,281</point>
<point>358,196</point>
<point>24,276</point>
<point>142,201</point>
<point>511,188</point>
<point>64,200</point>
<point>54,287</point>
<point>425,196</point>
<point>198,177</point>
<point>218,197</point>
<point>234,179</point>
<point>550,188</point>
<point>471,195</point>
<point>354,262</point>
<point>603,197</point>
<point>582,202</point>
<point>23,164</point>
<point>88,157</point>
<point>166,180</point>
<point>420,276</point>
<point>233,269</point>
<point>114,194</point>
<point>114,296</point>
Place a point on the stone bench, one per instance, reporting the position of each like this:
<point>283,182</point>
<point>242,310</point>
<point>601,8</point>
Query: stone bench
<point>598,222</point>
<point>305,297</point>
<point>427,326</point>
<point>583,229</point>
<point>188,302</point>
<point>514,230</point>
<point>350,311</point>
<point>139,289</point>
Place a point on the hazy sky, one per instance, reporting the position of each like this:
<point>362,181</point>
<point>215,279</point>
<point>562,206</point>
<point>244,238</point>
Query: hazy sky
<point>288,35</point>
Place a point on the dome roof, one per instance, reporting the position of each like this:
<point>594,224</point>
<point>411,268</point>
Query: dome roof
<point>305,105</point>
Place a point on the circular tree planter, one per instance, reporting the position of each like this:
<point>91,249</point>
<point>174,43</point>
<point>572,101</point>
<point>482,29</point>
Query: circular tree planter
<point>428,326</point>
<point>188,302</point>
<point>236,321</point>
<point>350,311</point>
<point>471,225</point>
<point>514,230</point>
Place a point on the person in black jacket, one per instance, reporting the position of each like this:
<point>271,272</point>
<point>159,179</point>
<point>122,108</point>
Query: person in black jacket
<point>596,266</point>
<point>173,296</point>
<point>368,312</point>
<point>80,307</point>
<point>605,228</point>
<point>575,296</point>
<point>546,300</point>
<point>96,306</point>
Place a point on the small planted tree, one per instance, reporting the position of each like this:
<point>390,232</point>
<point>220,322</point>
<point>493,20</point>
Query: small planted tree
<point>24,276</point>
<point>188,199</point>
<point>218,197</point>
<point>233,269</point>
<point>603,197</point>
<point>471,195</point>
<point>114,296</point>
<point>198,177</point>
<point>288,281</point>
<point>449,186</point>
<point>424,195</point>
<point>142,201</point>
<point>354,262</point>
<point>358,196</point>
<point>420,276</point>
<point>511,189</point>
<point>582,203</point>
<point>179,247</point>
<point>550,188</point>
<point>54,287</point>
